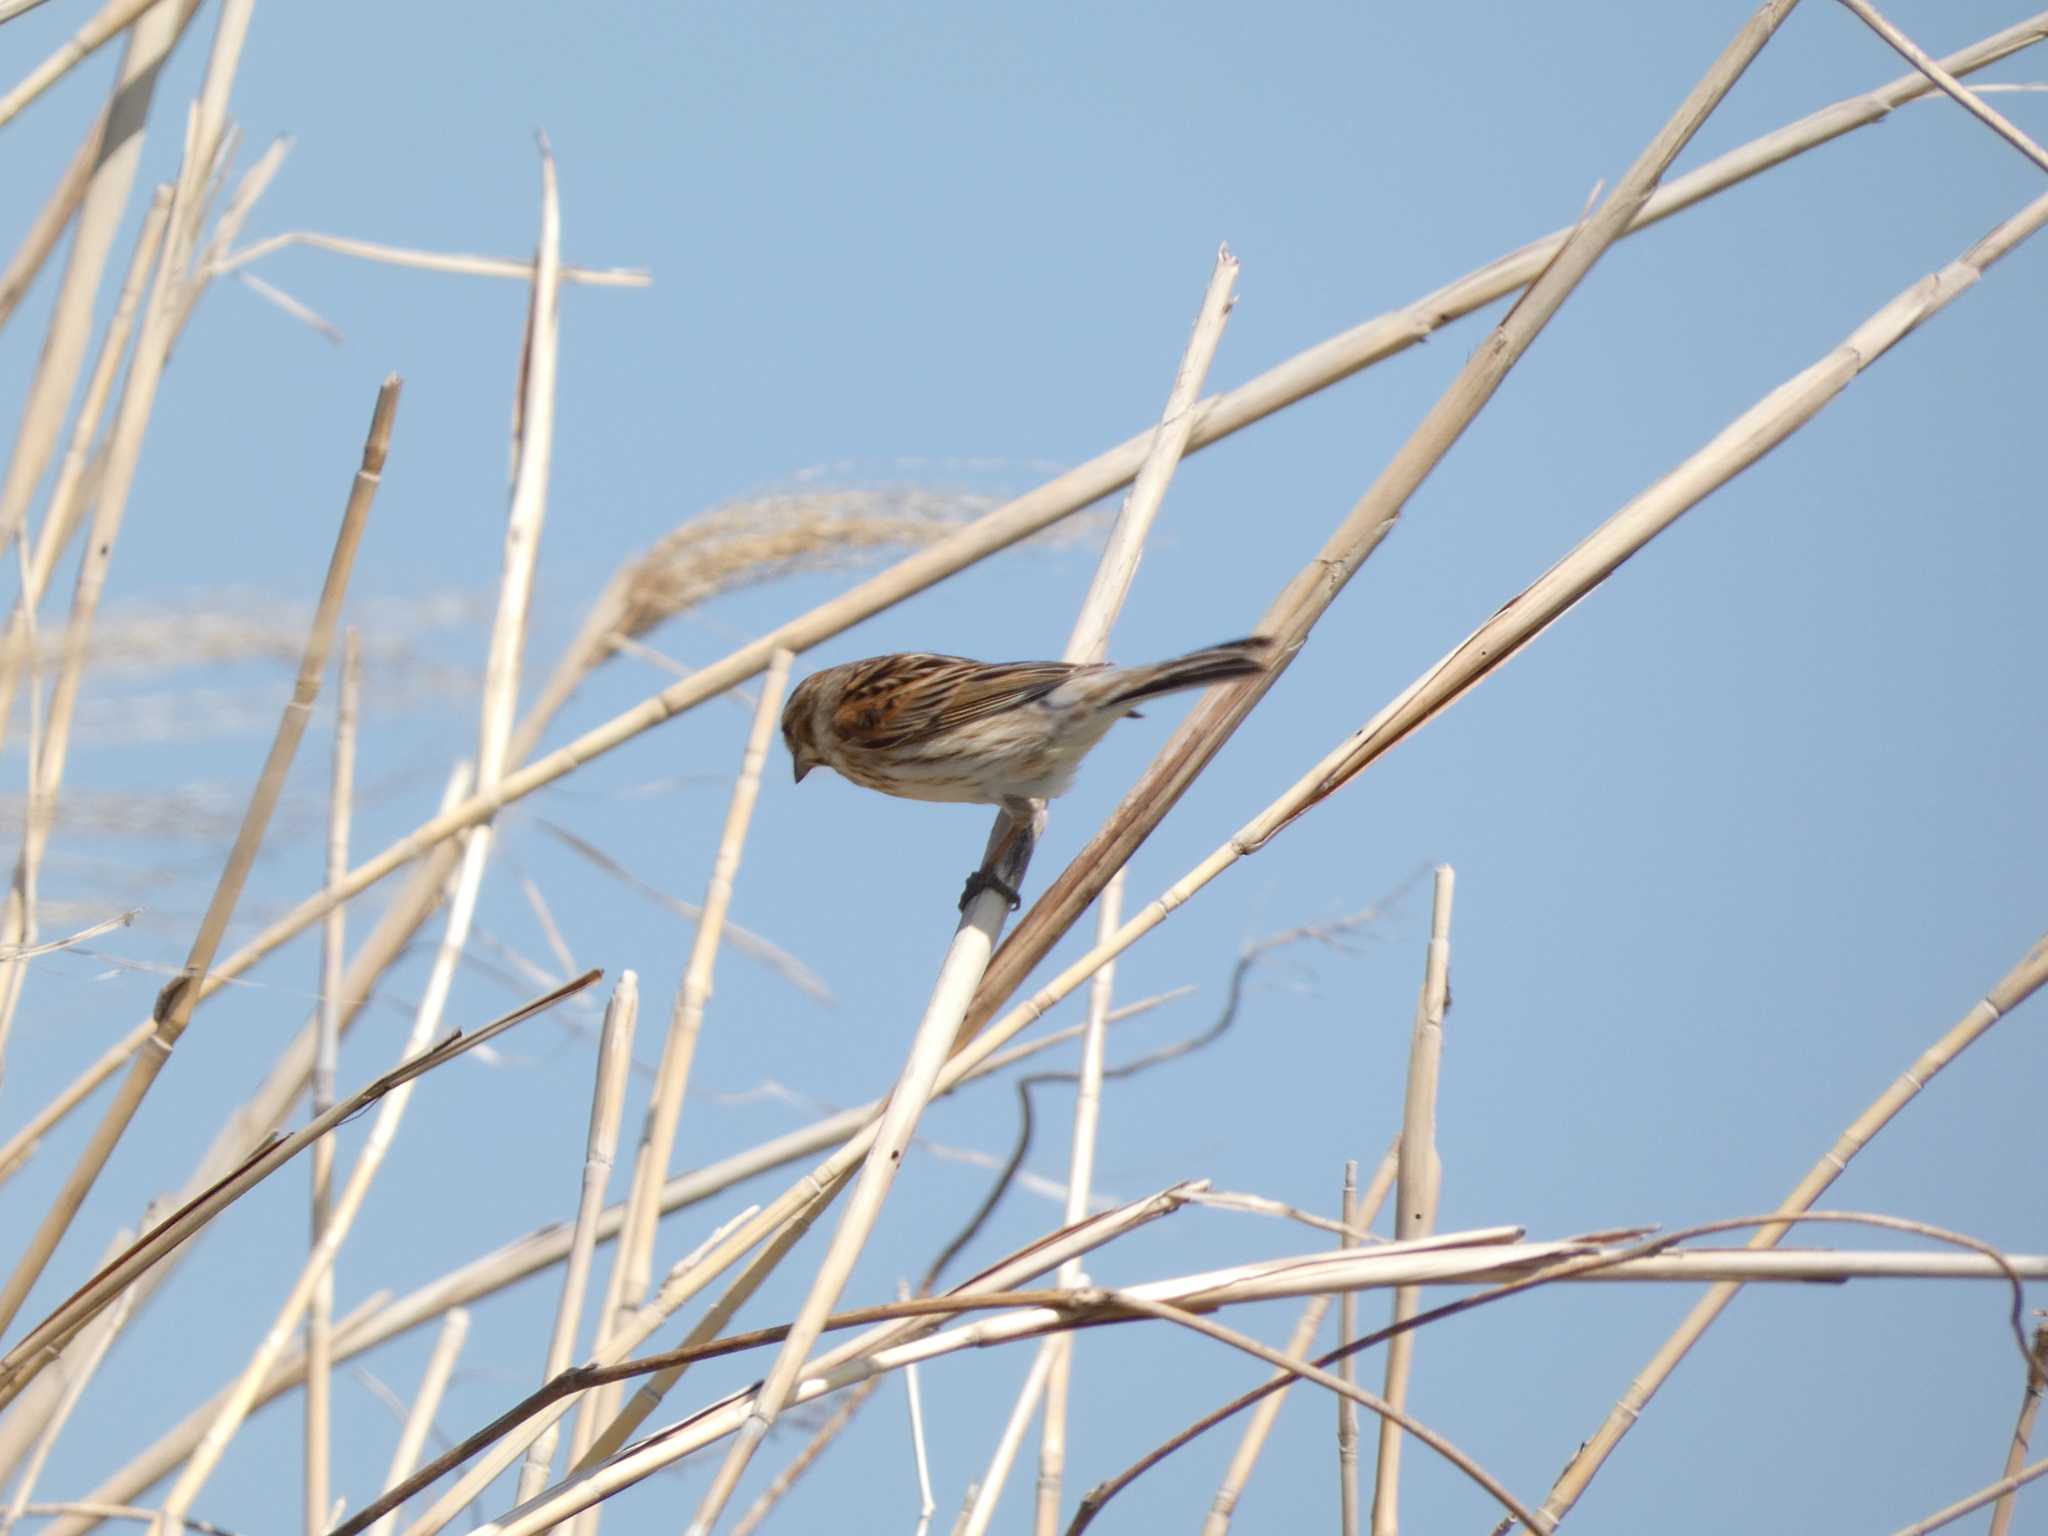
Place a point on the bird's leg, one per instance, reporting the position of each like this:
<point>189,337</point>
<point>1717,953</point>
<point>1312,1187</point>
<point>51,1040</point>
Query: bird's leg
<point>1008,855</point>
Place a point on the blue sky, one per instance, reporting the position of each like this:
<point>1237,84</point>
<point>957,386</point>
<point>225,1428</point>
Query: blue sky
<point>1735,840</point>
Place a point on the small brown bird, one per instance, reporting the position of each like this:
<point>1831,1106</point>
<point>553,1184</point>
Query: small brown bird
<point>992,733</point>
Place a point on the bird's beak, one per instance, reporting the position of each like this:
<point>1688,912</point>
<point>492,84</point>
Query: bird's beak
<point>802,768</point>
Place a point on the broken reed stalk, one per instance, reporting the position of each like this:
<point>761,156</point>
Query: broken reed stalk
<point>174,1006</point>
<point>1961,94</point>
<point>1052,1453</point>
<point>1214,419</point>
<point>419,1422</point>
<point>1307,597</point>
<point>2014,987</point>
<point>2022,1432</point>
<point>981,920</point>
<point>1418,1188</point>
<point>326,1064</point>
<point>607,1111</point>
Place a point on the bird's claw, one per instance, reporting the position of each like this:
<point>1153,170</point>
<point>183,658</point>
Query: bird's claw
<point>982,880</point>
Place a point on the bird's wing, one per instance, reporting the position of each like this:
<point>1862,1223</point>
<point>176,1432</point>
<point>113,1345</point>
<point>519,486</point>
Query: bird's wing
<point>905,699</point>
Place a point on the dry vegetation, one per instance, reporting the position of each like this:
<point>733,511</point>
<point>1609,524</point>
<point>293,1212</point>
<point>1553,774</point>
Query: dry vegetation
<point>586,1435</point>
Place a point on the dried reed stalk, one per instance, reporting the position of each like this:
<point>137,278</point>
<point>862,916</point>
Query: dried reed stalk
<point>515,1261</point>
<point>2022,1432</point>
<point>242,1397</point>
<point>1118,567</point>
<point>903,1333</point>
<point>1307,597</point>
<point>1747,439</point>
<point>174,1006</point>
<point>2013,988</point>
<point>1419,1187</point>
<point>1292,1365</point>
<point>1968,99</point>
<point>1215,418</point>
<point>926,1504</point>
<point>633,1260</point>
<point>607,1111</point>
<point>17,926</point>
<point>1052,1451</point>
<point>510,1435</point>
<point>1576,1260</point>
<point>51,222</point>
<point>419,1423</point>
<point>425,261</point>
<point>116,153</point>
<point>23,1142</point>
<point>619,1427</point>
<point>1246,1457</point>
<point>981,1508</point>
<point>764,1504</point>
<point>326,1063</point>
<point>1358,1216</point>
<point>686,1023</point>
<point>981,920</point>
<point>261,1115</point>
<point>76,1375</point>
<point>113,19</point>
<point>844,1366</point>
<point>1773,420</point>
<point>2004,1488</point>
<point>67,498</point>
<point>42,1343</point>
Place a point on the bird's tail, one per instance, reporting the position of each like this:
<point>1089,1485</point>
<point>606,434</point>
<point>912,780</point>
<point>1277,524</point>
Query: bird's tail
<point>1198,669</point>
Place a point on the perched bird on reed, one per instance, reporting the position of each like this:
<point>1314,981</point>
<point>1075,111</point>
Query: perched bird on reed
<point>990,733</point>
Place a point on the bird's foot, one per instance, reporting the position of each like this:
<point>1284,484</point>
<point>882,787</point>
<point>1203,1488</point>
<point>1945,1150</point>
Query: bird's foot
<point>985,880</point>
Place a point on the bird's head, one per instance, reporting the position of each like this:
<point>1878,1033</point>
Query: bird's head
<point>799,727</point>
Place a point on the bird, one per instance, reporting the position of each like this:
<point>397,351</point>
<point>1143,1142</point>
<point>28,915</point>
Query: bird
<point>946,728</point>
